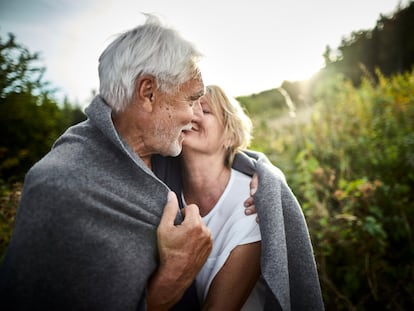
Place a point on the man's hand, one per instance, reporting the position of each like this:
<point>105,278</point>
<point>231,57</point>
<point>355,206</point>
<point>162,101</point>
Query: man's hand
<point>183,251</point>
<point>250,208</point>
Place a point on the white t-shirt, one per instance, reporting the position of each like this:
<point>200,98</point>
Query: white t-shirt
<point>230,227</point>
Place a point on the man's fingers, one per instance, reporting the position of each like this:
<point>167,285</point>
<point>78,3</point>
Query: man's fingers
<point>249,202</point>
<point>250,208</point>
<point>253,184</point>
<point>170,210</point>
<point>191,213</point>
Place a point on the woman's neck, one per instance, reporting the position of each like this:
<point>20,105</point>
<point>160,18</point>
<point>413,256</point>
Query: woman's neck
<point>204,181</point>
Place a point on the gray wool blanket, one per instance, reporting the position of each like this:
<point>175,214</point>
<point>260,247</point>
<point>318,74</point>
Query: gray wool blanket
<point>287,262</point>
<point>85,232</point>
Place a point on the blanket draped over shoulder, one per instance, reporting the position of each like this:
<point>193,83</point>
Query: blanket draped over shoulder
<point>85,232</point>
<point>287,262</point>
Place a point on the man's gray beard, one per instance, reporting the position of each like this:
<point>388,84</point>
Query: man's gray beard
<point>171,149</point>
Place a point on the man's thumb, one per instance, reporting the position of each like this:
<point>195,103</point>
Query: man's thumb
<point>170,209</point>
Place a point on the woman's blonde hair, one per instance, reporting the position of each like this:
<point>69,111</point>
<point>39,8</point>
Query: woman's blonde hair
<point>237,125</point>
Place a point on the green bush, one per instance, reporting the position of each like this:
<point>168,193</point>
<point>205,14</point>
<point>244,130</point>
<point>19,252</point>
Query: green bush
<point>9,199</point>
<point>352,169</point>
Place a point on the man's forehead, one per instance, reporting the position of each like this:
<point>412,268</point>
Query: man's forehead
<point>200,88</point>
<point>194,87</point>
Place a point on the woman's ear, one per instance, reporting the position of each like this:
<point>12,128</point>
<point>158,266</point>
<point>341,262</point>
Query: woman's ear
<point>228,141</point>
<point>146,91</point>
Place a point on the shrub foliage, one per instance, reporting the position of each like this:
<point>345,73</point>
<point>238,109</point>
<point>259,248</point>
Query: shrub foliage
<point>352,168</point>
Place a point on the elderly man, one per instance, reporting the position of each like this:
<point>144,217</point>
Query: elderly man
<point>96,229</point>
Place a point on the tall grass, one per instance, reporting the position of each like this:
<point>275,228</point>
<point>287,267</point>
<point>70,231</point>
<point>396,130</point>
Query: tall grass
<point>352,168</point>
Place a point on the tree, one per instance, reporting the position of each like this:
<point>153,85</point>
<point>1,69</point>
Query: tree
<point>388,47</point>
<point>30,118</point>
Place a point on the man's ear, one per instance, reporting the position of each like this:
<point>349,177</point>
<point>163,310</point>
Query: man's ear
<point>146,91</point>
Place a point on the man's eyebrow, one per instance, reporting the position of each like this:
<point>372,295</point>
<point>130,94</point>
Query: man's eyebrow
<point>198,95</point>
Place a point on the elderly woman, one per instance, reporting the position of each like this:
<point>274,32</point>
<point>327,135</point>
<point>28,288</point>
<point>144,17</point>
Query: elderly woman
<point>249,268</point>
<point>265,266</point>
<point>230,276</point>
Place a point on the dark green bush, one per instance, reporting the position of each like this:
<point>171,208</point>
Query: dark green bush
<point>352,169</point>
<point>9,199</point>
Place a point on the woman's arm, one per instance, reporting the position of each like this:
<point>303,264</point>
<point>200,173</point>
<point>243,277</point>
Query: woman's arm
<point>232,285</point>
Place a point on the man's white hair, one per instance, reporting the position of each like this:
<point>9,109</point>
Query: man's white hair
<point>151,48</point>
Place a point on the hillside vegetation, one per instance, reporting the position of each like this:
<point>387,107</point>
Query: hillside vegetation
<point>350,162</point>
<point>348,156</point>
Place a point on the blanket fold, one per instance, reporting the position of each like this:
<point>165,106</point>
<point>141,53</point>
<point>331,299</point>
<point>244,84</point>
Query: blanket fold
<point>287,263</point>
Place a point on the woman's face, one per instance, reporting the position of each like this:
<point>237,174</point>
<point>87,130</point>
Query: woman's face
<point>207,135</point>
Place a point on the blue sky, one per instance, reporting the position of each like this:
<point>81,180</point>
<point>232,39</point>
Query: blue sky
<point>250,45</point>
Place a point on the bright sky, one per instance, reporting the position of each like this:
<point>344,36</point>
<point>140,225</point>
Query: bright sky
<point>249,45</point>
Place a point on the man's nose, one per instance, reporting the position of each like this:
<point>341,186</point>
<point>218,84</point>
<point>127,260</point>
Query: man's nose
<point>197,110</point>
